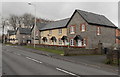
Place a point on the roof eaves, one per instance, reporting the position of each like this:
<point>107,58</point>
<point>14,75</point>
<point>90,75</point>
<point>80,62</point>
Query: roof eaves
<point>101,25</point>
<point>52,28</point>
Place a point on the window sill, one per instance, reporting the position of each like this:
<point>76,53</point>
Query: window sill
<point>82,31</point>
<point>72,33</point>
<point>60,34</point>
<point>49,34</point>
<point>98,34</point>
<point>71,45</point>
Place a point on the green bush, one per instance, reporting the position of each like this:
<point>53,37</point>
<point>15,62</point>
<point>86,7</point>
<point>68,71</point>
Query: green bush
<point>107,61</point>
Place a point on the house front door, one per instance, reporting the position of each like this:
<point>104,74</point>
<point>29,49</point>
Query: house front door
<point>65,42</point>
<point>79,43</point>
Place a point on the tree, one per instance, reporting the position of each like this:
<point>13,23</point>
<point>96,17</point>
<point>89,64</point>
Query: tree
<point>14,21</point>
<point>26,20</point>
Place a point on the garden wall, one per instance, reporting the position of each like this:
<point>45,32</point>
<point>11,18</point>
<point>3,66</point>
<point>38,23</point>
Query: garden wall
<point>69,50</point>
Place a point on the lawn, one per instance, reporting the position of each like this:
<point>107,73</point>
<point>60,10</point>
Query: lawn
<point>60,52</point>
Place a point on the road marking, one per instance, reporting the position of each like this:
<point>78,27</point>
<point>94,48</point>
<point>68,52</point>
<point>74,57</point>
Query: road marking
<point>33,60</point>
<point>17,53</point>
<point>66,72</point>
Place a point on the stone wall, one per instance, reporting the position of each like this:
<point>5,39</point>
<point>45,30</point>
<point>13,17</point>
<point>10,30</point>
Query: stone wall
<point>81,51</point>
<point>68,50</point>
<point>107,34</point>
<point>113,56</point>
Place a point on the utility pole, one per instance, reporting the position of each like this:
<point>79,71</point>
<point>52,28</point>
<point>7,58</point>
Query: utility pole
<point>34,22</point>
<point>3,26</point>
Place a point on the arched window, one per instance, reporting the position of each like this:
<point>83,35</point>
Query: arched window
<point>98,30</point>
<point>82,27</point>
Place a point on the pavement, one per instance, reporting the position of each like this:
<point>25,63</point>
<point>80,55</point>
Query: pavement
<point>18,60</point>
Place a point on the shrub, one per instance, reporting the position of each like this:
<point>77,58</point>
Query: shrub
<point>107,61</point>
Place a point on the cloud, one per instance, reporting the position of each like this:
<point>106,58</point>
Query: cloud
<point>60,10</point>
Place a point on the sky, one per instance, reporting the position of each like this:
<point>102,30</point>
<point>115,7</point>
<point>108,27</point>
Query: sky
<point>59,10</point>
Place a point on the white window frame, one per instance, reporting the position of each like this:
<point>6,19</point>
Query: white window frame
<point>59,31</point>
<point>72,29</point>
<point>79,42</point>
<point>60,41</point>
<point>23,36</point>
<point>98,31</point>
<point>83,27</point>
<point>84,42</point>
<point>50,32</point>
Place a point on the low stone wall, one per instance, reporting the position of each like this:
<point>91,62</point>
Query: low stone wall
<point>81,51</point>
<point>113,56</point>
<point>73,50</point>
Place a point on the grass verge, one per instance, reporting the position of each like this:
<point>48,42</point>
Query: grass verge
<point>60,52</point>
<point>10,44</point>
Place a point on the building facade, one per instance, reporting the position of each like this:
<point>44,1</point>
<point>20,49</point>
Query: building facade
<point>82,29</point>
<point>118,36</point>
<point>87,29</point>
<point>35,37</point>
<point>23,35</point>
<point>11,37</point>
<point>54,33</point>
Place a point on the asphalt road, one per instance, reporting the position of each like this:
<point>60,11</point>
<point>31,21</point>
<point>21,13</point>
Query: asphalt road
<point>20,62</point>
<point>0,59</point>
<point>13,64</point>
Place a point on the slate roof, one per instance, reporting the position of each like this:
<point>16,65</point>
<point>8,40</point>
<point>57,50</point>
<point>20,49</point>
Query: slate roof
<point>95,19</point>
<point>40,25</point>
<point>56,24</point>
<point>11,32</point>
<point>26,31</point>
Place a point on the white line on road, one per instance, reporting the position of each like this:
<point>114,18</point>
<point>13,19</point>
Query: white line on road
<point>17,53</point>
<point>66,71</point>
<point>33,60</point>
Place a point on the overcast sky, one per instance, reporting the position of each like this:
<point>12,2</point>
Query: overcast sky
<point>60,10</point>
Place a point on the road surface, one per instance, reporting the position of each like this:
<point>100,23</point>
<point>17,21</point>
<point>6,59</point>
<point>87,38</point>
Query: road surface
<point>20,62</point>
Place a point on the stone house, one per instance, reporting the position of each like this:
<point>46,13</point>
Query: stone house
<point>23,35</point>
<point>37,28</point>
<point>11,37</point>
<point>54,33</point>
<point>118,36</point>
<point>86,29</point>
